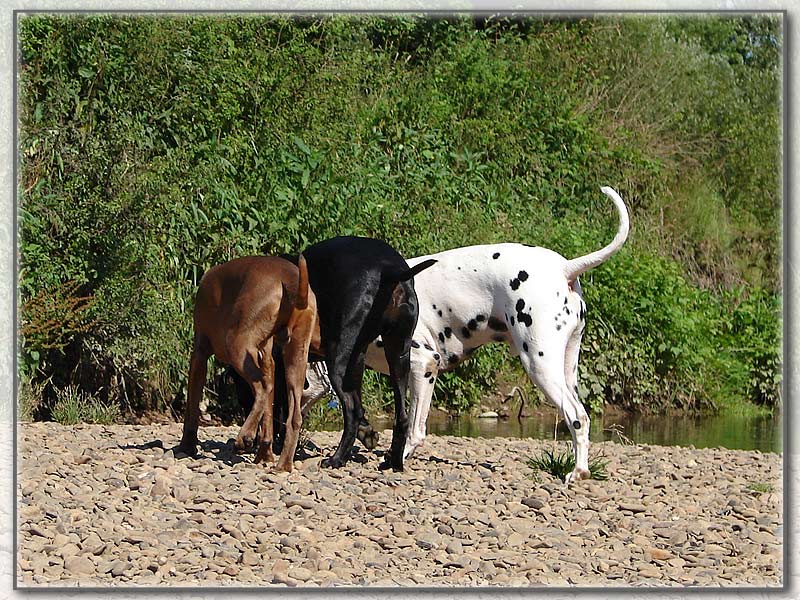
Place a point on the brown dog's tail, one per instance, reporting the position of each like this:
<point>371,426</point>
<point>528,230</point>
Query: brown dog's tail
<point>301,302</point>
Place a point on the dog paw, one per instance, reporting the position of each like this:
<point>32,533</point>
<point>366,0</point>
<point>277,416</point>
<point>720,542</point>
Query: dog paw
<point>577,475</point>
<point>264,453</point>
<point>390,463</point>
<point>243,443</point>
<point>332,462</point>
<point>284,466</point>
<point>368,437</point>
<point>185,449</point>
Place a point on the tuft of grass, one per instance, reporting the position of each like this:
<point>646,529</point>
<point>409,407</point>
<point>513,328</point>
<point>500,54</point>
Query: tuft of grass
<point>759,487</point>
<point>561,464</point>
<point>73,406</point>
<point>29,399</point>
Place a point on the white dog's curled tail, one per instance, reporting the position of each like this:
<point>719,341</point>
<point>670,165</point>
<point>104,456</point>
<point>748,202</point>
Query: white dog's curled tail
<point>579,265</point>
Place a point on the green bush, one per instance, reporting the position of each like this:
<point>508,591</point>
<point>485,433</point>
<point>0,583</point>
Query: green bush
<point>152,148</point>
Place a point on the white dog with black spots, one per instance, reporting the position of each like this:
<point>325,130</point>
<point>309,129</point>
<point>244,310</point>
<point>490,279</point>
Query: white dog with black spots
<point>528,297</point>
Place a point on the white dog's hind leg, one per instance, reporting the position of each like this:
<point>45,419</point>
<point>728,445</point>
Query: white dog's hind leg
<point>547,372</point>
<point>424,369</point>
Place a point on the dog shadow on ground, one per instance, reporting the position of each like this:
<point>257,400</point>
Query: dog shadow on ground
<point>224,452</point>
<point>307,449</point>
<point>486,465</point>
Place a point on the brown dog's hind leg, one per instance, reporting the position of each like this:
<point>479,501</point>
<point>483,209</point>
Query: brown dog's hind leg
<point>251,367</point>
<point>198,365</point>
<point>295,360</point>
<point>264,391</point>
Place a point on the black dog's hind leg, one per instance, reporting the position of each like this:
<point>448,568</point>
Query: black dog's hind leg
<point>397,347</point>
<point>346,383</point>
<point>281,406</point>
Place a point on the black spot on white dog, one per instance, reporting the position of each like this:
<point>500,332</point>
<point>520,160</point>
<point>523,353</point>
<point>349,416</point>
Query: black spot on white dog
<point>465,332</point>
<point>558,327</point>
<point>440,312</point>
<point>514,283</point>
<point>520,305</point>
<point>541,353</point>
<point>511,320</point>
<point>525,318</point>
<point>473,324</point>
<point>522,275</point>
<point>497,324</point>
<point>431,380</point>
<point>441,337</point>
<point>448,332</point>
<point>434,307</point>
<point>496,255</point>
<point>525,346</point>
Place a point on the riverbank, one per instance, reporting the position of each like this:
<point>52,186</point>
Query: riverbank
<point>108,506</point>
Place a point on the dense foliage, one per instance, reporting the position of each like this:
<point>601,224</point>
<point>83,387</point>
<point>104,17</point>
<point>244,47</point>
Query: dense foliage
<point>154,147</point>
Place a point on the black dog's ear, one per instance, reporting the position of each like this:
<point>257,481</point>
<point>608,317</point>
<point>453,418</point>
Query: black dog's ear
<point>408,274</point>
<point>292,258</point>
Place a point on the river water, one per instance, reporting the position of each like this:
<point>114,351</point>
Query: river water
<point>762,433</point>
<point>735,432</point>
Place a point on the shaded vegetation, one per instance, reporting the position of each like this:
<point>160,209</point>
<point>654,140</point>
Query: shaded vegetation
<point>152,148</point>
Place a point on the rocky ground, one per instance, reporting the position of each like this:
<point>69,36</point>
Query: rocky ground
<point>111,506</point>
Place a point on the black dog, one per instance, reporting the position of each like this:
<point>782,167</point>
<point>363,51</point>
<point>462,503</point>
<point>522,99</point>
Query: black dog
<point>364,289</point>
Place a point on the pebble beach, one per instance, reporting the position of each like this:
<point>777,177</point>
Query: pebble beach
<point>111,506</point>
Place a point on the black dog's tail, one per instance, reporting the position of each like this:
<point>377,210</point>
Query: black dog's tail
<point>407,274</point>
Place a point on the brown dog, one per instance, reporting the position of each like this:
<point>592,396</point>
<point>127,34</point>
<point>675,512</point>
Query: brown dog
<point>244,306</point>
